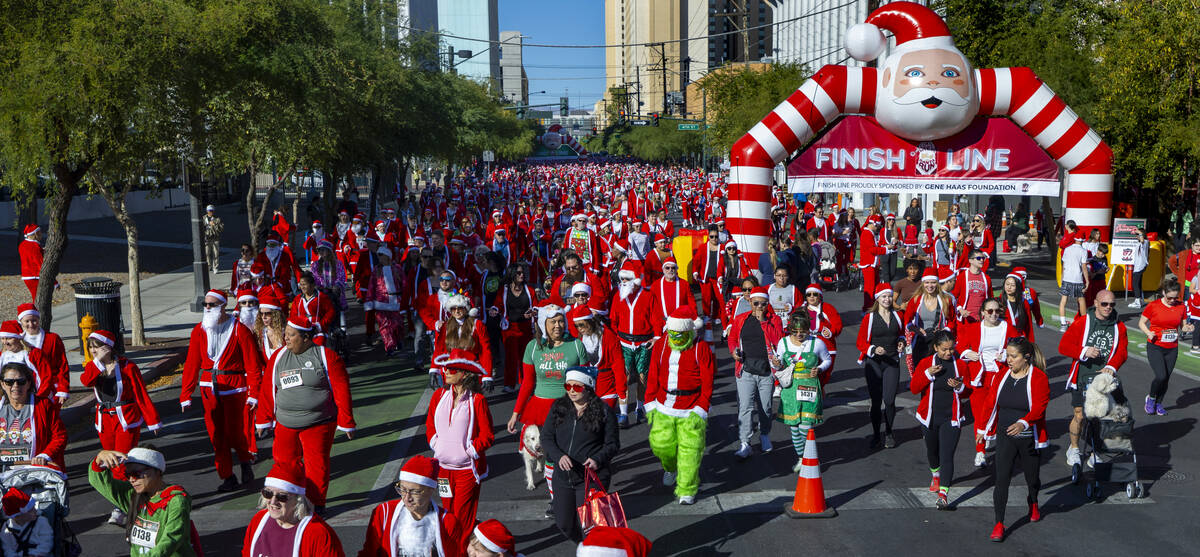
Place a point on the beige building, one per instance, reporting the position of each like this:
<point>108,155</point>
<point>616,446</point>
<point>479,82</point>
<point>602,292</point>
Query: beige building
<point>654,76</point>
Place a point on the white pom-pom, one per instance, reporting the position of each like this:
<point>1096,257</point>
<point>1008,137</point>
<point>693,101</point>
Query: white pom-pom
<point>698,323</point>
<point>864,42</point>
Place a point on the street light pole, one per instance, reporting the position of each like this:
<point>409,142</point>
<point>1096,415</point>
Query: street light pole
<point>199,265</point>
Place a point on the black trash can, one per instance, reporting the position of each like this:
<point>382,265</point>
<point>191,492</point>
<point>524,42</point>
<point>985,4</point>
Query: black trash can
<point>101,298</point>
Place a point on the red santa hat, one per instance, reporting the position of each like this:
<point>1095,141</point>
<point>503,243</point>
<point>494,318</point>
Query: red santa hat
<point>578,216</point>
<point>246,294</point>
<point>420,470</point>
<point>274,236</point>
<point>316,223</point>
<point>891,216</point>
<point>257,269</point>
<point>579,313</point>
<point>670,260</point>
<point>30,229</point>
<point>730,244</point>
<point>343,212</point>
<point>1021,272</point>
<point>631,270</point>
<point>929,274</point>
<point>17,502</point>
<point>607,541</point>
<point>270,301</point>
<point>26,309</point>
<point>622,245</point>
<point>916,27</point>
<point>881,289</point>
<point>684,318</point>
<point>496,538</point>
<point>300,323</point>
<point>945,275</point>
<point>218,294</point>
<point>360,217</point>
<point>285,477</point>
<point>759,292</point>
<point>461,360</point>
<point>104,337</point>
<point>659,237</point>
<point>814,287</point>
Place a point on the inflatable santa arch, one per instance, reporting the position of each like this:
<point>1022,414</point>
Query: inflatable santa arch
<point>924,90</point>
<point>555,136</point>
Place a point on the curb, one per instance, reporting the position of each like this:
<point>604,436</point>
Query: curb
<point>82,409</point>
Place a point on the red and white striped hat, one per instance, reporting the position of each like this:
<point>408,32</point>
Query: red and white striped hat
<point>103,336</point>
<point>916,27</point>
<point>420,470</point>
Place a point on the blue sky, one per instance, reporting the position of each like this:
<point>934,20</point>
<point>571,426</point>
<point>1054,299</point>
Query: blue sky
<point>578,70</point>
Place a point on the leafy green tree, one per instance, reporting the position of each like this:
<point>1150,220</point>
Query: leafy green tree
<point>740,96</point>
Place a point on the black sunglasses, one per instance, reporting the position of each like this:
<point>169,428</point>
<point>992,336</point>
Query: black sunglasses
<point>1106,304</point>
<point>278,495</point>
<point>20,381</point>
<point>214,304</point>
<point>136,473</point>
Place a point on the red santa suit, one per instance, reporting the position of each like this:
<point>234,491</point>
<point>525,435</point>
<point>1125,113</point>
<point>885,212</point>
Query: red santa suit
<point>822,226</point>
<point>869,250</point>
<point>689,371</point>
<point>667,296</point>
<point>705,264</point>
<point>119,419</point>
<point>922,384</point>
<point>54,356</point>
<point>30,253</point>
<point>227,366</point>
<point>310,444</point>
<point>586,243</point>
<point>654,263</point>
<point>282,270</point>
<point>318,309</point>
<point>313,537</point>
<point>1037,391</point>
<point>980,373</point>
<point>386,517</point>
<point>556,289</point>
<point>982,242</point>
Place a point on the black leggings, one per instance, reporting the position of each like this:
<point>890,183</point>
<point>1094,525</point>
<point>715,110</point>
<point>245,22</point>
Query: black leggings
<point>566,500</point>
<point>1162,361</point>
<point>940,442</point>
<point>1137,285</point>
<point>883,380</point>
<point>1009,450</point>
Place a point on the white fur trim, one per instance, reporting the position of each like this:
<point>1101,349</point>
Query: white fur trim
<point>271,307</point>
<point>457,301</point>
<point>418,479</point>
<point>217,295</point>
<point>762,295</point>
<point>489,544</point>
<point>680,325</point>
<point>245,297</point>
<point>580,377</point>
<point>811,289</point>
<point>581,287</point>
<point>626,274</point>
<point>594,551</point>
<point>445,360</point>
<point>283,485</point>
<point>27,312</point>
<point>882,292</point>
<point>101,338</point>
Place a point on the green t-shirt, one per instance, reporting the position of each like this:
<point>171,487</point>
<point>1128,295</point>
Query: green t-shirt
<point>550,366</point>
<point>166,533</point>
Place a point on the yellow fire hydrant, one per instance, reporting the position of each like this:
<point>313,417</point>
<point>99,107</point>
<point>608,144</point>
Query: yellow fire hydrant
<point>86,326</point>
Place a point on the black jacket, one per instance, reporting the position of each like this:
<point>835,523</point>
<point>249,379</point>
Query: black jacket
<point>579,443</point>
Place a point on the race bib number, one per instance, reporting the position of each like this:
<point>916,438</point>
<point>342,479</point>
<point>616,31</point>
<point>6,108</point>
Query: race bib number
<point>144,533</point>
<point>806,394</point>
<point>290,378</point>
<point>444,488</point>
<point>1170,335</point>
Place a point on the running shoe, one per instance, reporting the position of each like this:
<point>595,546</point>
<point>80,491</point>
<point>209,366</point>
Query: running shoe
<point>1150,407</point>
<point>1092,460</point>
<point>743,452</point>
<point>980,460</point>
<point>1062,328</point>
<point>889,441</point>
<point>765,443</point>
<point>117,518</point>
<point>549,511</point>
<point>668,478</point>
<point>1072,456</point>
<point>935,484</point>
<point>998,532</point>
<point>623,421</point>
<point>1135,304</point>
<point>943,503</point>
<point>247,473</point>
<point>1158,409</point>
<point>1034,514</point>
<point>687,499</point>
<point>230,484</point>
<point>799,464</point>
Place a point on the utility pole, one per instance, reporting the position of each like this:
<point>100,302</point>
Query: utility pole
<point>683,82</point>
<point>662,58</point>
<point>742,22</point>
<point>638,78</point>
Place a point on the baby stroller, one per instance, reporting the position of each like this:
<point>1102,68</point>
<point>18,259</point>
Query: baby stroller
<point>828,275</point>
<point>1109,441</point>
<point>48,487</point>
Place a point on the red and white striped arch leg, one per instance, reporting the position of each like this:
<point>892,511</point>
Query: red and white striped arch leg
<point>835,90</point>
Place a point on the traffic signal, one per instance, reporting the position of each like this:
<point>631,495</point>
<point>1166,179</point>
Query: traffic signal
<point>622,119</point>
<point>520,113</point>
<point>654,119</point>
<point>593,130</point>
<point>563,107</point>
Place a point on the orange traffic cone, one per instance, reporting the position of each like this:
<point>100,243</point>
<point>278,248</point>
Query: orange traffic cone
<point>809,501</point>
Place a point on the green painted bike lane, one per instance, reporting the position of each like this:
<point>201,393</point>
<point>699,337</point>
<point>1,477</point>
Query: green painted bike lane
<point>385,394</point>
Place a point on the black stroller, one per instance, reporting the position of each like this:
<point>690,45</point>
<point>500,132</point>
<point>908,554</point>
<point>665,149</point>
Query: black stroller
<point>1109,443</point>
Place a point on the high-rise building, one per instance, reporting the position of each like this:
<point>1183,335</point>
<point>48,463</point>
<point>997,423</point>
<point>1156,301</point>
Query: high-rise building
<point>514,83</point>
<point>416,15</point>
<point>811,32</point>
<point>738,31</point>
<point>472,19</point>
<point>661,56</point>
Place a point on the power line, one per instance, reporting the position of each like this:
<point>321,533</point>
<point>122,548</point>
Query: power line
<point>626,45</point>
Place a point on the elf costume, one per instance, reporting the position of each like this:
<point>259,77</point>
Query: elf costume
<point>802,396</point>
<point>163,525</point>
<point>678,393</point>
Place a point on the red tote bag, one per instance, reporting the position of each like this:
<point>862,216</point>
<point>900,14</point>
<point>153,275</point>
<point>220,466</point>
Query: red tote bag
<point>599,508</point>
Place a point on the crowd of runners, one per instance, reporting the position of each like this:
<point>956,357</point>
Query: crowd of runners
<point>569,286</point>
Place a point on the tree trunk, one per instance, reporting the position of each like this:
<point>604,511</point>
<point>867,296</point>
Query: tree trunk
<point>257,217</point>
<point>329,202</point>
<point>56,236</point>
<point>291,239</point>
<point>251,223</point>
<point>374,194</point>
<point>116,202</point>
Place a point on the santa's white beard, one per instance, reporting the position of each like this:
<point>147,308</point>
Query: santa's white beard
<point>591,343</point>
<point>628,288</point>
<point>273,252</point>
<point>358,229</point>
<point>908,118</point>
<point>247,315</point>
<point>212,316</point>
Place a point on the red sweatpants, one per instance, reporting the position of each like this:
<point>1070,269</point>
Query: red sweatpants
<point>310,446</point>
<point>515,338</point>
<point>32,285</point>
<point>868,279</point>
<point>224,417</point>
<point>251,431</point>
<point>463,500</point>
<point>710,299</point>
<point>114,437</point>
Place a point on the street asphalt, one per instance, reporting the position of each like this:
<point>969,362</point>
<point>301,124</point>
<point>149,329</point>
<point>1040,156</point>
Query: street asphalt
<point>881,495</point>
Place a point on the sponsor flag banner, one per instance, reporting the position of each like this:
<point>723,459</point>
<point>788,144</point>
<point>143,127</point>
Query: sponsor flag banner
<point>1124,241</point>
<point>991,157</point>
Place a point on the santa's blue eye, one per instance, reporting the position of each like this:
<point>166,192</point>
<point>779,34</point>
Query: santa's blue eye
<point>914,73</point>
<point>950,73</point>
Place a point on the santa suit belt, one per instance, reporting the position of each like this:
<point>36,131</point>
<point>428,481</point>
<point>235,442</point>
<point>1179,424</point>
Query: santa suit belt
<point>213,373</point>
<point>639,339</point>
<point>110,407</point>
<point>684,392</point>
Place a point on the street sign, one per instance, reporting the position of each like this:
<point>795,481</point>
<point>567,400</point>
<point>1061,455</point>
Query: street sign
<point>489,156</point>
<point>689,126</point>
<point>639,122</point>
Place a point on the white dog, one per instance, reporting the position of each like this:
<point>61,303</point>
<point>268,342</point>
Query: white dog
<point>1098,401</point>
<point>531,453</point>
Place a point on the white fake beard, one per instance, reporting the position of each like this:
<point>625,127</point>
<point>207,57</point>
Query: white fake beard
<point>417,538</point>
<point>591,343</point>
<point>357,228</point>
<point>212,316</point>
<point>318,232</point>
<point>906,117</point>
<point>248,315</point>
<point>273,252</point>
<point>628,288</point>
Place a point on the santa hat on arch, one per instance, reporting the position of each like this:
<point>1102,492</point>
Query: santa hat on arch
<point>607,541</point>
<point>915,27</point>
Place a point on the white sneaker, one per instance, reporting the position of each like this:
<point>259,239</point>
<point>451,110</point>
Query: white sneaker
<point>1062,327</point>
<point>117,518</point>
<point>1092,461</point>
<point>799,464</point>
<point>668,478</point>
<point>1135,304</point>
<point>778,390</point>
<point>743,452</point>
<point>765,443</point>
<point>687,499</point>
<point>980,460</point>
<point>1072,456</point>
